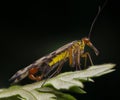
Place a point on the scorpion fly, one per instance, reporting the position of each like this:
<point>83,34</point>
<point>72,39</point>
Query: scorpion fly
<point>54,61</point>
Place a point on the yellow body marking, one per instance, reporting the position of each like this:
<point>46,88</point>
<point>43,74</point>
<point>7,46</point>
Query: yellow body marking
<point>82,45</point>
<point>59,57</point>
<point>65,54</point>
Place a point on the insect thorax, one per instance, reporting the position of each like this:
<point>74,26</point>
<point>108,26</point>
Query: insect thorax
<point>81,45</point>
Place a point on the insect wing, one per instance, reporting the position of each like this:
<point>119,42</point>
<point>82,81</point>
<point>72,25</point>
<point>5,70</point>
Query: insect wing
<point>19,75</point>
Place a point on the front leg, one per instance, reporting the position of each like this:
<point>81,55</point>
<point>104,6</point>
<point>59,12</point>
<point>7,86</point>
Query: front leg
<point>85,55</point>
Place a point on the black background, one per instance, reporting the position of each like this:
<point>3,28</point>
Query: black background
<point>31,30</point>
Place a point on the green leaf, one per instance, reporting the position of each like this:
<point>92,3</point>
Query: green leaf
<point>59,95</point>
<point>15,91</point>
<point>54,88</point>
<point>76,89</point>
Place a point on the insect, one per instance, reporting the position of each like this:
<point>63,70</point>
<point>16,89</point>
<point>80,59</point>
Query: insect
<point>72,52</point>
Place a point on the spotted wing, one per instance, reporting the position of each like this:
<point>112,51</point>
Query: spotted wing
<point>21,74</point>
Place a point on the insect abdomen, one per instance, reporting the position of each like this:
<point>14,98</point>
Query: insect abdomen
<point>58,58</point>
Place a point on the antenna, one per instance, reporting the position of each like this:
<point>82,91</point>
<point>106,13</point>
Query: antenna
<point>94,20</point>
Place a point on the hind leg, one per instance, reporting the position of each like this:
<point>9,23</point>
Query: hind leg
<point>55,73</point>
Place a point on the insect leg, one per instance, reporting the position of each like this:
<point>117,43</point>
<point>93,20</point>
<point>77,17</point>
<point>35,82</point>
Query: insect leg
<point>55,73</point>
<point>70,56</point>
<point>77,58</point>
<point>85,64</point>
<point>90,59</point>
<point>58,69</point>
<point>85,56</point>
<point>60,65</point>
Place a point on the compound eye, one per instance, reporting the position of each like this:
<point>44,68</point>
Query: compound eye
<point>86,40</point>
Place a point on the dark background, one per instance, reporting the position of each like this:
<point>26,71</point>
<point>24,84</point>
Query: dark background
<point>31,30</point>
